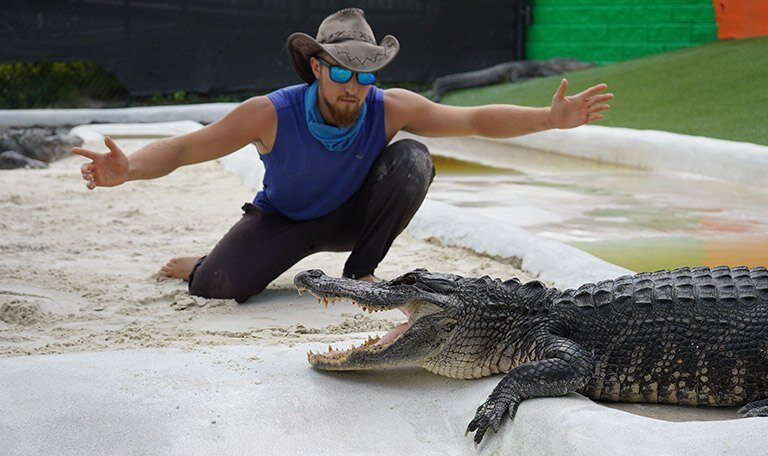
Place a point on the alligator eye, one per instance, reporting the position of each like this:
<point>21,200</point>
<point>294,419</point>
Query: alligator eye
<point>410,278</point>
<point>439,285</point>
<point>448,326</point>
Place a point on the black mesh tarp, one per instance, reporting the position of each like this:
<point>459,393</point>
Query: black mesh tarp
<point>208,46</point>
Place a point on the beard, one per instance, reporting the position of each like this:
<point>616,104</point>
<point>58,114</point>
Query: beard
<point>343,115</point>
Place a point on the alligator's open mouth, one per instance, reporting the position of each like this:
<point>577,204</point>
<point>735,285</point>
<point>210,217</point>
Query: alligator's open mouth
<point>373,344</point>
<point>405,344</point>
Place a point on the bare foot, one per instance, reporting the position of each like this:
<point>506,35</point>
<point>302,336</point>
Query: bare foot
<point>178,268</point>
<point>370,278</point>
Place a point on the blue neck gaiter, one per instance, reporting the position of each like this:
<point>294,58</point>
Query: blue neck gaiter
<point>333,138</point>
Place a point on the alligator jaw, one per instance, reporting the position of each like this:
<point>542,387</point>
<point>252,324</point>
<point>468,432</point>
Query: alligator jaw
<point>342,359</point>
<point>370,297</point>
<point>355,358</point>
<point>403,346</point>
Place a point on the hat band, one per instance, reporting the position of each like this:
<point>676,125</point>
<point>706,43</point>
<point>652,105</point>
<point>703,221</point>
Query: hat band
<point>345,35</point>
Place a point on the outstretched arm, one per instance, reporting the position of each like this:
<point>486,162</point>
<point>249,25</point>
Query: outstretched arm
<point>413,113</point>
<point>253,120</point>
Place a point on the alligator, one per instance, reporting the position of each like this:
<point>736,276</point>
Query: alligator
<point>687,336</point>
<point>517,71</point>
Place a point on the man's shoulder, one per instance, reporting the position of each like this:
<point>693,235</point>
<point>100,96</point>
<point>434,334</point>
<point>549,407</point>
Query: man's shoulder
<point>397,94</point>
<point>287,96</point>
<point>396,99</point>
<point>258,103</point>
<point>255,110</point>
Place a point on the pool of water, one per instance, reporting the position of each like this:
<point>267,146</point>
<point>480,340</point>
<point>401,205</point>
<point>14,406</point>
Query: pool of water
<point>637,219</point>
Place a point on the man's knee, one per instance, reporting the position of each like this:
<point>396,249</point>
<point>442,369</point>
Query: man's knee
<point>219,283</point>
<point>412,160</point>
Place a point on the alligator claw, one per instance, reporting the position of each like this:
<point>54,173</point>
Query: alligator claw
<point>490,415</point>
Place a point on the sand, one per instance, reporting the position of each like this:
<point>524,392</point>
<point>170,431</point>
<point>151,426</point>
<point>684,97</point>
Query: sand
<point>78,268</point>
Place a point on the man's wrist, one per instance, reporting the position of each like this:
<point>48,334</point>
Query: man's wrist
<point>549,119</point>
<point>133,172</point>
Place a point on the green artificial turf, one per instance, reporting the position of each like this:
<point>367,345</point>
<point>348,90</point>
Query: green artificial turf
<point>718,90</point>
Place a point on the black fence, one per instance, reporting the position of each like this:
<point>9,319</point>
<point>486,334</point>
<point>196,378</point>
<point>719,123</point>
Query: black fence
<point>220,46</point>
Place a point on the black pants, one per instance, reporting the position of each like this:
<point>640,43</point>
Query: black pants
<point>263,245</point>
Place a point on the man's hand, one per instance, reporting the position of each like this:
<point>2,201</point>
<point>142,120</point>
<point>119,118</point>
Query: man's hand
<point>572,111</point>
<point>104,170</point>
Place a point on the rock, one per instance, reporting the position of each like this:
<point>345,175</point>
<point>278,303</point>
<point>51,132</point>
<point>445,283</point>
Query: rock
<point>183,303</point>
<point>39,143</point>
<point>20,313</point>
<point>12,160</point>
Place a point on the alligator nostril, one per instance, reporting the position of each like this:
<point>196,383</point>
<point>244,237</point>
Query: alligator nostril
<point>304,276</point>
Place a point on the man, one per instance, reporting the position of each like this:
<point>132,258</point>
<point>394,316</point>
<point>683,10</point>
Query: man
<point>332,182</point>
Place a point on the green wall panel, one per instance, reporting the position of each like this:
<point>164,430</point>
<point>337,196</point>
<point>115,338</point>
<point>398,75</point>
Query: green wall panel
<point>610,30</point>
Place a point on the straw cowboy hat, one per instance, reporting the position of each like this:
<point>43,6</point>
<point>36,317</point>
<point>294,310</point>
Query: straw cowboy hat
<point>346,36</point>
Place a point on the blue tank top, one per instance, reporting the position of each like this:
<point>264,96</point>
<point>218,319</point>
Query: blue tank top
<point>304,180</point>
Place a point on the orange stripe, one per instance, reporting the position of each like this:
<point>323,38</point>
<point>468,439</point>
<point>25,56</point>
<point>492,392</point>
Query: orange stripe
<point>741,18</point>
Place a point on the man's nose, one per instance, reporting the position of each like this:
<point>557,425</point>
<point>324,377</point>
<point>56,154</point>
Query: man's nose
<point>351,87</point>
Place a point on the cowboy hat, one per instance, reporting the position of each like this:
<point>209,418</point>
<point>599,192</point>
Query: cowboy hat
<point>346,36</point>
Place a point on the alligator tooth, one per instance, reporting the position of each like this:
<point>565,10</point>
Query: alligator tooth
<point>371,341</point>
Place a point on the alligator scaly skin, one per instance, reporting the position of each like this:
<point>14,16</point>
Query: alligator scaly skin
<point>688,336</point>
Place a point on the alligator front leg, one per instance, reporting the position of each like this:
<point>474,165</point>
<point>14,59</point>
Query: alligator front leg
<point>564,367</point>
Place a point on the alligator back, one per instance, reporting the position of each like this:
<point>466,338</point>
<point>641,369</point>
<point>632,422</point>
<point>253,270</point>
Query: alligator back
<point>689,336</point>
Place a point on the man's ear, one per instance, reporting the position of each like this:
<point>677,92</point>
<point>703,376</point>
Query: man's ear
<point>315,65</point>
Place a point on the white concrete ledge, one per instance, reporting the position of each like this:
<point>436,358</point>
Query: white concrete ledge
<point>97,132</point>
<point>548,260</point>
<point>204,113</point>
<point>656,150</point>
<point>267,400</point>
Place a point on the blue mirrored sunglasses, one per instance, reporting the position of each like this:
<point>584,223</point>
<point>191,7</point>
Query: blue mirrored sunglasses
<point>342,75</point>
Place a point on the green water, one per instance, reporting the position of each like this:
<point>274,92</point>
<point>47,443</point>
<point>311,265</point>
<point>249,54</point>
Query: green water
<point>636,219</point>
<point>649,254</point>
